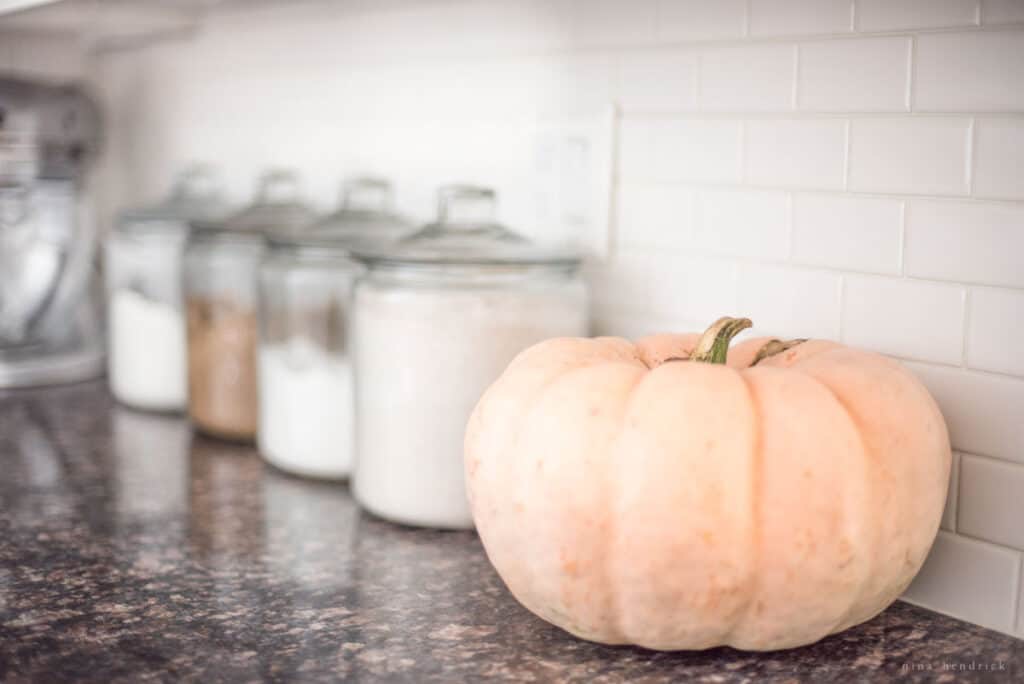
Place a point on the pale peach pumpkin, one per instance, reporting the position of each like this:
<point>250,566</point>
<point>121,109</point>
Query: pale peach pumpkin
<point>653,494</point>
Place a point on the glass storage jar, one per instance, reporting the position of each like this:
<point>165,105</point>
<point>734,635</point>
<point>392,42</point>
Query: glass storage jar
<point>146,323</point>
<point>305,375</point>
<point>437,318</point>
<point>221,262</point>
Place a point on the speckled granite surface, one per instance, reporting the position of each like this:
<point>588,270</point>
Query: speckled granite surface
<point>130,551</point>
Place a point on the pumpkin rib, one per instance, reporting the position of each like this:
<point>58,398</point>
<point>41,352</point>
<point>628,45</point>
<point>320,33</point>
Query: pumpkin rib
<point>530,403</point>
<point>612,532</point>
<point>870,462</point>
<point>756,501</point>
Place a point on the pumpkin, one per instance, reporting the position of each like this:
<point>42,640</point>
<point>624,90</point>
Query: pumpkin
<point>677,494</point>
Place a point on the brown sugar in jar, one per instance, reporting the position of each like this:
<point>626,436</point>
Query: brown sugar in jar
<point>222,368</point>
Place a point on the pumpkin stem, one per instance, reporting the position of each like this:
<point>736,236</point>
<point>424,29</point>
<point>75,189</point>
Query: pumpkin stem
<point>773,347</point>
<point>713,345</point>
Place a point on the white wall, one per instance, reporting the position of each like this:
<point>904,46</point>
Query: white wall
<point>851,169</point>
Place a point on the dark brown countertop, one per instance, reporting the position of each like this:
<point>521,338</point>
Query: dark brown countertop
<point>131,551</point>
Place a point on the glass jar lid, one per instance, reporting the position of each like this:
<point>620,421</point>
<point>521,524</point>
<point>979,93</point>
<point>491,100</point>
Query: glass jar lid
<point>277,206</point>
<point>466,234</point>
<point>195,196</point>
<point>365,219</point>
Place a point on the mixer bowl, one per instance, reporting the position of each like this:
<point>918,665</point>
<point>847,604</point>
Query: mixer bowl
<point>46,249</point>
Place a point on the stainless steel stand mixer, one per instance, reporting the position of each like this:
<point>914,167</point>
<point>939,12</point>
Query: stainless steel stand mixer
<point>50,300</point>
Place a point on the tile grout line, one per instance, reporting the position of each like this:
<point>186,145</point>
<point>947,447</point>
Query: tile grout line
<point>958,462</point>
<point>842,312</point>
<point>911,65</point>
<point>847,125</point>
<point>727,185</point>
<point>795,101</point>
<point>970,154</point>
<point>903,239</point>
<point>966,302</point>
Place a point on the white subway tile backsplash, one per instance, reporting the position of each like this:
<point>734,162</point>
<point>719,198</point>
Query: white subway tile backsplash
<point>747,79</point>
<point>665,80</point>
<point>789,302</point>
<point>948,522</point>
<point>995,331</point>
<point>905,318</point>
<point>973,242</point>
<point>1002,11</point>
<point>908,155</point>
<point>655,216</point>
<point>969,579</point>
<point>680,150</point>
<point>851,233</point>
<point>799,17</point>
<point>744,223</point>
<point>970,71</point>
<point>803,153</point>
<point>886,15</point>
<point>854,75</point>
<point>992,508</point>
<point>999,158</point>
<point>982,410</point>
<point>701,20</point>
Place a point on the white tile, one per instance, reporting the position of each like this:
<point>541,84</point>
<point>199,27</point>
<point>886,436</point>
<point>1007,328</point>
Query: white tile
<point>804,153</point>
<point>632,325</point>
<point>999,158</point>
<point>613,22</point>
<point>884,15</point>
<point>913,155</point>
<point>577,85</point>
<point>656,81</point>
<point>747,79</point>
<point>698,290</point>
<point>636,148</point>
<point>680,150</point>
<point>744,223</point>
<point>629,281</point>
<point>971,242</point>
<point>700,20</point>
<point>968,579</point>
<point>799,17</point>
<point>982,411</point>
<point>981,71</point>
<point>655,216</point>
<point>789,302</point>
<point>905,318</point>
<point>995,332</point>
<point>668,286</point>
<point>1001,11</point>
<point>952,494</point>
<point>992,500</point>
<point>852,233</point>
<point>868,74</point>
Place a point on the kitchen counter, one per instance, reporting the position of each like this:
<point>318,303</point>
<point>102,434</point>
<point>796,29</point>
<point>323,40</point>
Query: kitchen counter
<point>132,551</point>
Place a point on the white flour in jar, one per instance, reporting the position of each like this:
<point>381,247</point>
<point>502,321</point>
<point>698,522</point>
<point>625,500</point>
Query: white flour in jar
<point>147,352</point>
<point>305,420</point>
<point>423,358</point>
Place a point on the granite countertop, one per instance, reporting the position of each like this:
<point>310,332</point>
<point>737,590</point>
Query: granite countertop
<point>132,551</point>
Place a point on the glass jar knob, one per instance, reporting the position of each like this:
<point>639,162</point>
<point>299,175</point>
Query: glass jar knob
<point>367,194</point>
<point>466,204</point>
